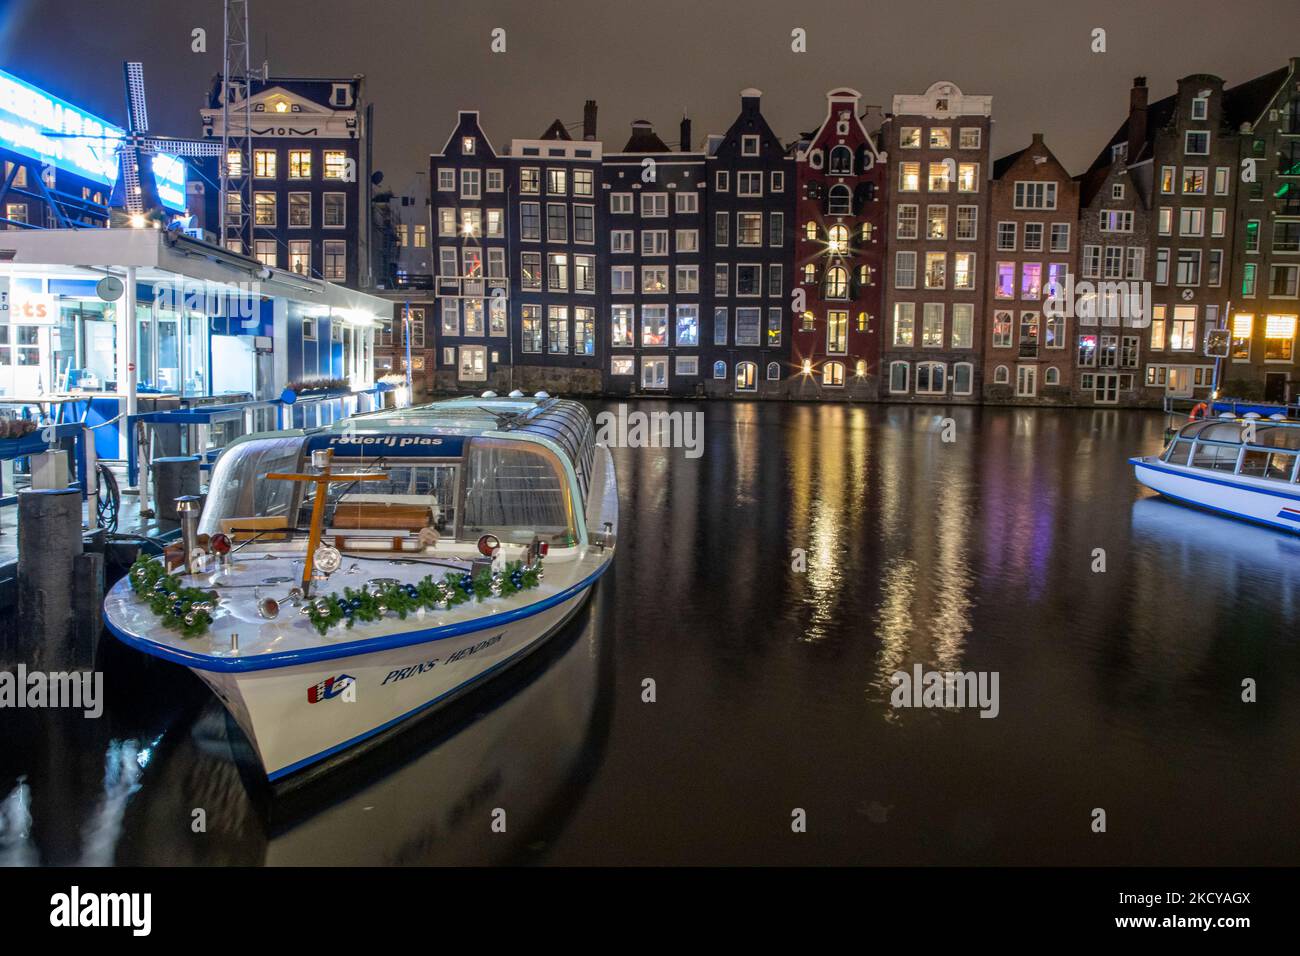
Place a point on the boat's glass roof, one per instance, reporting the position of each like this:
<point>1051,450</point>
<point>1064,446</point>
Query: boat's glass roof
<point>1268,433</point>
<point>566,423</point>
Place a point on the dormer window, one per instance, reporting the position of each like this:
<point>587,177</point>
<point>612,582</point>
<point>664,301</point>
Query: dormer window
<point>841,161</point>
<point>467,145</point>
<point>341,95</point>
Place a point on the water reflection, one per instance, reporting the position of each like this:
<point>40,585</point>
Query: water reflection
<point>1119,688</point>
<point>194,795</point>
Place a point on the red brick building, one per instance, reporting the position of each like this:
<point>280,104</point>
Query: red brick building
<point>1033,211</point>
<point>839,248</point>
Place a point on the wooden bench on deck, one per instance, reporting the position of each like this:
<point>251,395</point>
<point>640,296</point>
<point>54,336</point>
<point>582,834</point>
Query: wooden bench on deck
<point>372,516</point>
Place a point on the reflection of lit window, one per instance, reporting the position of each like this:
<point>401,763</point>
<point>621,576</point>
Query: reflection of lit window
<point>838,239</point>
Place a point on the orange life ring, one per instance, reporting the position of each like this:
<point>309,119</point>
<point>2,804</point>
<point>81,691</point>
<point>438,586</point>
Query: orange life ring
<point>1199,410</point>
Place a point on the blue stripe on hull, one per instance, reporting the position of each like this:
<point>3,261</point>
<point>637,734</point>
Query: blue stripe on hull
<point>1164,469</point>
<point>1262,522</point>
<point>444,697</point>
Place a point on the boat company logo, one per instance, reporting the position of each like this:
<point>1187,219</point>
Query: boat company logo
<point>78,691</point>
<point>350,437</point>
<point>948,689</point>
<point>330,688</point>
<point>629,429</point>
<point>1291,514</point>
<point>74,909</point>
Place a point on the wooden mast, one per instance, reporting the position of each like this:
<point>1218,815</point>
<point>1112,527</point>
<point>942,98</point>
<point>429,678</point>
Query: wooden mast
<point>322,481</point>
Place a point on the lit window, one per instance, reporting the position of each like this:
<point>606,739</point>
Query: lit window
<point>264,163</point>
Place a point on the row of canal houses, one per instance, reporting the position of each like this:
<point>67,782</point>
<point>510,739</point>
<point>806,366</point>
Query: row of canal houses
<point>900,262</point>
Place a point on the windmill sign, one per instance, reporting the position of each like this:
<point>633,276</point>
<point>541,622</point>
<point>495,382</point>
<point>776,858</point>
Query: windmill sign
<point>137,187</point>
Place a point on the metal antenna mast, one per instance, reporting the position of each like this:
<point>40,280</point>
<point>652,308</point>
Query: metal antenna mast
<point>236,177</point>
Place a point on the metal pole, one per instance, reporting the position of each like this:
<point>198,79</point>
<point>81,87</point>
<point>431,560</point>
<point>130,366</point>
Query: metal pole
<point>90,463</point>
<point>132,349</point>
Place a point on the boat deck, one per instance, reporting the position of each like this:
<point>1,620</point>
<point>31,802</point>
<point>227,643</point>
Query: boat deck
<point>240,639</point>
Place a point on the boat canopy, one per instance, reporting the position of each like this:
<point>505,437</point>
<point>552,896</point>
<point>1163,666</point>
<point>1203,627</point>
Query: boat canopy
<point>1254,448</point>
<point>465,467</point>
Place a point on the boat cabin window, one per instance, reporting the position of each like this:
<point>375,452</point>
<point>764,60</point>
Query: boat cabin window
<point>1219,445</point>
<point>1218,456</point>
<point>1278,465</point>
<point>237,489</point>
<point>1178,451</point>
<point>516,490</point>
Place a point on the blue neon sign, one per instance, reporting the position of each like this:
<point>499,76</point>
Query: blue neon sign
<point>27,113</point>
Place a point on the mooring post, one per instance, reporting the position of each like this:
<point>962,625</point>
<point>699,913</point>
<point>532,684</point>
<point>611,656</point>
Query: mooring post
<point>172,478</point>
<point>49,553</point>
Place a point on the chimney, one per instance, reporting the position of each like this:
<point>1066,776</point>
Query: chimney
<point>1137,117</point>
<point>589,120</point>
<point>686,134</point>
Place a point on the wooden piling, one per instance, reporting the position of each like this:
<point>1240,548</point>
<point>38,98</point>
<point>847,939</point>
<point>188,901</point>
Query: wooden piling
<point>49,557</point>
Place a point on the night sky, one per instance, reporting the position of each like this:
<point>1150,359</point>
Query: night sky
<point>424,60</point>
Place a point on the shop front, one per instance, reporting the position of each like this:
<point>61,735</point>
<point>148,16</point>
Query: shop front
<point>101,324</point>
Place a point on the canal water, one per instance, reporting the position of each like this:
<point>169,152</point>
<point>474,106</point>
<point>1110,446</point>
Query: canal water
<point>769,588</point>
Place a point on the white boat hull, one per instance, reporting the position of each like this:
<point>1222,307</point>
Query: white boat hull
<point>1265,502</point>
<point>297,715</point>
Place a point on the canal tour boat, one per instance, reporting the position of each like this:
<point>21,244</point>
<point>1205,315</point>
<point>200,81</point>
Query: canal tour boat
<point>1241,467</point>
<point>341,580</point>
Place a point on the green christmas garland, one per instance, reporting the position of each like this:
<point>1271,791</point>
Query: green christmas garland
<point>181,608</point>
<point>368,605</point>
<point>189,610</point>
